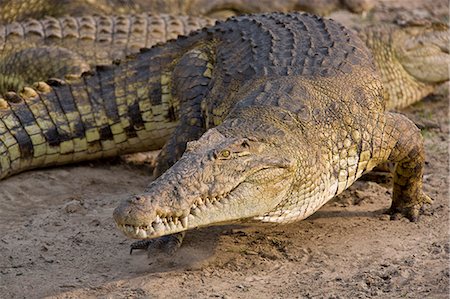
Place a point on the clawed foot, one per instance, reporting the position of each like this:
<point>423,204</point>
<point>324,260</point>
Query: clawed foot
<point>166,244</point>
<point>411,212</point>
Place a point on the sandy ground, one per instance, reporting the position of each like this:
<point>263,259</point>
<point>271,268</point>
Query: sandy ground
<point>58,240</point>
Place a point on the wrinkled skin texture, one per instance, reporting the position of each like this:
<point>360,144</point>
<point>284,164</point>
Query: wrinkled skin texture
<point>328,148</point>
<point>19,10</point>
<point>36,50</point>
<point>413,59</point>
<point>203,186</point>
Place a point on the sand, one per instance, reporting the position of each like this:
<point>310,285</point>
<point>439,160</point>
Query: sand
<point>58,239</point>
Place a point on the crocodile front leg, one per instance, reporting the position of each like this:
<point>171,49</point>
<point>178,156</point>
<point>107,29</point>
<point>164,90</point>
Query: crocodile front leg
<point>166,244</point>
<point>189,83</point>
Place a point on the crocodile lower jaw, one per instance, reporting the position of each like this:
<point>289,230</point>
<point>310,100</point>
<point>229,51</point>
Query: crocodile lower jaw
<point>158,227</point>
<point>170,224</point>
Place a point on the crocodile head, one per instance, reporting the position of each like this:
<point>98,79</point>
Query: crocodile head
<point>422,48</point>
<point>220,178</point>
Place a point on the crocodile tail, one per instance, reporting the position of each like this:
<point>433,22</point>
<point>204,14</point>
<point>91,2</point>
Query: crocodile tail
<point>96,116</point>
<point>35,50</point>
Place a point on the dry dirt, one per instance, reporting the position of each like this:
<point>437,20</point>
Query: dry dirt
<point>58,239</point>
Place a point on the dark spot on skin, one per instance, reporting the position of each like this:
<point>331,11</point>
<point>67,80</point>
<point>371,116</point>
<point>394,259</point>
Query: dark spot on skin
<point>56,82</point>
<point>12,97</point>
<point>52,137</point>
<point>130,132</point>
<point>24,115</point>
<point>25,144</point>
<point>100,68</point>
<point>135,116</point>
<point>171,114</point>
<point>79,131</point>
<point>105,133</point>
<point>155,94</point>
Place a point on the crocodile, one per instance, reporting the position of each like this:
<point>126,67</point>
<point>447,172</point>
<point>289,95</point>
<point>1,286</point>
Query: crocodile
<point>20,10</point>
<point>412,57</point>
<point>260,117</point>
<point>286,124</point>
<point>36,50</point>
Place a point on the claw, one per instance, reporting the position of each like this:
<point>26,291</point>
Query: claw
<point>166,244</point>
<point>412,212</point>
<point>142,244</point>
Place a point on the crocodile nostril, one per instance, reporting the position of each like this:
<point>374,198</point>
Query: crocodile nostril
<point>138,198</point>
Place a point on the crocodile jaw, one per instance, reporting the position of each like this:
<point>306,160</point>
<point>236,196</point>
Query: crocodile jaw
<point>199,191</point>
<point>240,204</point>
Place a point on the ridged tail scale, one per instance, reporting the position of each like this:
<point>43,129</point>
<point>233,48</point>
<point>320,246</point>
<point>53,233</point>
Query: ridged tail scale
<point>115,110</point>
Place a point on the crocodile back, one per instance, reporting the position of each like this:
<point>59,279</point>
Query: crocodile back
<point>270,47</point>
<point>279,44</point>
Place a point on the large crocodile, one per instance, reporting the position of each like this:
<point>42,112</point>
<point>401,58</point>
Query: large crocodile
<point>412,57</point>
<point>282,119</point>
<point>284,124</point>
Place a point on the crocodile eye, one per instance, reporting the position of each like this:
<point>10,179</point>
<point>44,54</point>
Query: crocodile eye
<point>225,154</point>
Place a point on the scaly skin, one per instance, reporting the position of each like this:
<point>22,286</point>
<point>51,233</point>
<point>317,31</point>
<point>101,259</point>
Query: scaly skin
<point>35,50</point>
<point>20,10</point>
<point>413,59</point>
<point>115,110</point>
<point>288,124</point>
<point>282,119</point>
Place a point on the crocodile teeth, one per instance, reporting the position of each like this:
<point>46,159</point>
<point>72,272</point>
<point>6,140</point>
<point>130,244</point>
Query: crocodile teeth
<point>140,233</point>
<point>158,226</point>
<point>129,228</point>
<point>149,230</point>
<point>172,225</point>
<point>184,222</point>
<point>158,219</point>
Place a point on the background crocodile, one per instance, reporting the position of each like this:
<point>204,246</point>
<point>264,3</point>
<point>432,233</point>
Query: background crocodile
<point>412,57</point>
<point>20,10</point>
<point>36,50</point>
<point>284,82</point>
